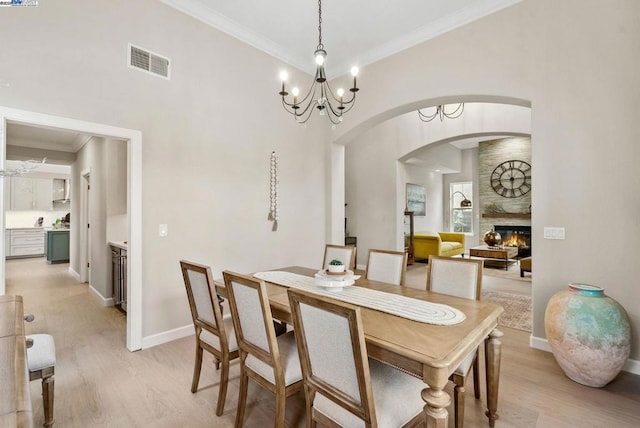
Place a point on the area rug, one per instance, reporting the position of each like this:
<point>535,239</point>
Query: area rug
<point>517,309</point>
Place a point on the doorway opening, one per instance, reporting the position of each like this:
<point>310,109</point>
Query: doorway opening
<point>134,206</point>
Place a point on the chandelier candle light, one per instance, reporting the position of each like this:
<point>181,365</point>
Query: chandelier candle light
<point>441,113</point>
<point>320,94</point>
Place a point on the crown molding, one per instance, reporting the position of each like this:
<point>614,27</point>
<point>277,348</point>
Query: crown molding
<point>200,11</point>
<point>429,31</point>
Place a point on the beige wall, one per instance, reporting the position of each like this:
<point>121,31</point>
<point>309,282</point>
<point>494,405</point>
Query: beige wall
<point>570,59</point>
<point>208,132</point>
<point>206,135</point>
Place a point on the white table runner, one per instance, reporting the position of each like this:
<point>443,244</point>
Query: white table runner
<point>394,304</point>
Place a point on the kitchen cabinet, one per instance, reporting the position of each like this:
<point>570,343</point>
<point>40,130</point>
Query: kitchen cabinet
<point>25,242</point>
<point>31,194</point>
<point>57,246</point>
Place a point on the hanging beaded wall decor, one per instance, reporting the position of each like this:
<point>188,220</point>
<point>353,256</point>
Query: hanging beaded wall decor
<point>273,192</point>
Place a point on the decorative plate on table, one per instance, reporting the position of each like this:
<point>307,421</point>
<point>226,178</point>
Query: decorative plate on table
<point>332,281</point>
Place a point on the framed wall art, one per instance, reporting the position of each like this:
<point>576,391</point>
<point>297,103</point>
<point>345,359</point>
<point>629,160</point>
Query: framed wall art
<point>416,199</point>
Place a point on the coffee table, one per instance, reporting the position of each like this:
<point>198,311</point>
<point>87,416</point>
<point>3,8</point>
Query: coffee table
<point>495,253</point>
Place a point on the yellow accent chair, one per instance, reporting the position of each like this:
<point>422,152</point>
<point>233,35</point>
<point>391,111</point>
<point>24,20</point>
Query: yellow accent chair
<point>444,244</point>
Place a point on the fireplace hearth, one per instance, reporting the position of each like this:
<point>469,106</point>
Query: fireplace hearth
<point>516,236</point>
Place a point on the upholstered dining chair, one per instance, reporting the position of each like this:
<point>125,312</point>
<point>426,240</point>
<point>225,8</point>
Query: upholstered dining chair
<point>461,278</point>
<point>41,362</point>
<point>214,332</point>
<point>343,387</point>
<point>345,253</point>
<point>271,361</point>
<point>387,266</point>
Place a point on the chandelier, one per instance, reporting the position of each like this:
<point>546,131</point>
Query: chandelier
<point>441,113</point>
<point>23,168</point>
<point>320,94</point>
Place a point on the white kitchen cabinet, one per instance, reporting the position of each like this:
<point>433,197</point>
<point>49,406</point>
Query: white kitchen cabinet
<point>24,242</point>
<point>31,194</point>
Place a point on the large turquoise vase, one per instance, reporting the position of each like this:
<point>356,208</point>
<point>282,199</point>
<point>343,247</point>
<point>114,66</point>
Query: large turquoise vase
<point>589,334</point>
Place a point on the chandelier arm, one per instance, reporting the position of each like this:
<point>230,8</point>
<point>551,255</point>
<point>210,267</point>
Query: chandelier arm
<point>308,108</point>
<point>456,113</point>
<point>428,118</point>
<point>287,107</point>
<point>311,92</point>
<point>300,118</point>
<point>350,106</point>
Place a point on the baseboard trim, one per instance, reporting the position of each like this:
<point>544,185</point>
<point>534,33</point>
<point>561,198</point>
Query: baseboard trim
<point>539,343</point>
<point>167,336</point>
<point>631,366</point>
<point>104,301</point>
<point>74,274</point>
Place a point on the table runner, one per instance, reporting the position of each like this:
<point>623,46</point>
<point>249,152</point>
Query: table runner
<point>394,304</point>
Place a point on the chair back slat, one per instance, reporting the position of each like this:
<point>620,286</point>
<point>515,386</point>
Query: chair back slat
<point>387,266</point>
<point>455,276</point>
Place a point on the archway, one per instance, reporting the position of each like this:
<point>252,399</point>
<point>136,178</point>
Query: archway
<point>401,138</point>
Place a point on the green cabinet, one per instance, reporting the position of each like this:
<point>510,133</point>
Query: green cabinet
<point>57,246</point>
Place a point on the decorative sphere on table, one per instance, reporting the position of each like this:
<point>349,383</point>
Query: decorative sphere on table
<point>589,334</point>
<point>492,238</point>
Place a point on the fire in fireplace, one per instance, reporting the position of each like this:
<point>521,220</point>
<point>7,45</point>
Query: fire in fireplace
<point>516,236</point>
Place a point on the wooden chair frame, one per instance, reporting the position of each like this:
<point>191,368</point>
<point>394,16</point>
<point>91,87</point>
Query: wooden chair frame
<point>365,409</point>
<point>352,262</point>
<point>48,388</point>
<point>223,356</point>
<point>402,254</point>
<point>271,358</point>
<point>457,379</point>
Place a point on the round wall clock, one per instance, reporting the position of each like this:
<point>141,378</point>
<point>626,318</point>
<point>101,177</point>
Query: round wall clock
<point>511,179</point>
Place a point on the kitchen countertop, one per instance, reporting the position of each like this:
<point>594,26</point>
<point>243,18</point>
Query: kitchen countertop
<point>119,244</point>
<point>57,229</point>
<point>25,228</point>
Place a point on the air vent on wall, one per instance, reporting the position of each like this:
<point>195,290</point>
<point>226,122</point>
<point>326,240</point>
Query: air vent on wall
<point>145,60</point>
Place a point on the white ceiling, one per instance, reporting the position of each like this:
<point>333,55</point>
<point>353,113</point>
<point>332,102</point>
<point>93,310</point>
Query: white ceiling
<point>45,138</point>
<point>354,32</point>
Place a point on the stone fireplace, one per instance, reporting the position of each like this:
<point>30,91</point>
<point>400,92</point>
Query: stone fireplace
<point>516,236</point>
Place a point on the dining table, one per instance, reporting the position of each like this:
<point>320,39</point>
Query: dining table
<point>428,351</point>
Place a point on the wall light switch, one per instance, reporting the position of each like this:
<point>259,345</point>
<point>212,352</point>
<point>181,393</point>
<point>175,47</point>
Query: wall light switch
<point>163,230</point>
<point>554,233</point>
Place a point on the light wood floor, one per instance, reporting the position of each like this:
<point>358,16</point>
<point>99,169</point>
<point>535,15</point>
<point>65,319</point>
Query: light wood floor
<point>100,384</point>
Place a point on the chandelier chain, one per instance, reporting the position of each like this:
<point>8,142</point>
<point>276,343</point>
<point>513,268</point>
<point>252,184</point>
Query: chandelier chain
<point>320,46</point>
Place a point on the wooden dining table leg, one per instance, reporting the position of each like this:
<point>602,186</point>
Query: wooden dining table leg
<point>492,354</point>
<point>436,409</point>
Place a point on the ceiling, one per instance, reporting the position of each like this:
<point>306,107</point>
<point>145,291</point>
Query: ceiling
<point>354,32</point>
<point>60,140</point>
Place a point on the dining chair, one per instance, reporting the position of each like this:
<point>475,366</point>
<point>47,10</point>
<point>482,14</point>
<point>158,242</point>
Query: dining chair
<point>41,363</point>
<point>387,266</point>
<point>343,387</point>
<point>271,361</point>
<point>461,278</point>
<point>214,332</point>
<point>345,253</point>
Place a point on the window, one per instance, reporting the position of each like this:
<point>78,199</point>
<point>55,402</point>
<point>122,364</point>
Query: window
<point>461,217</point>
